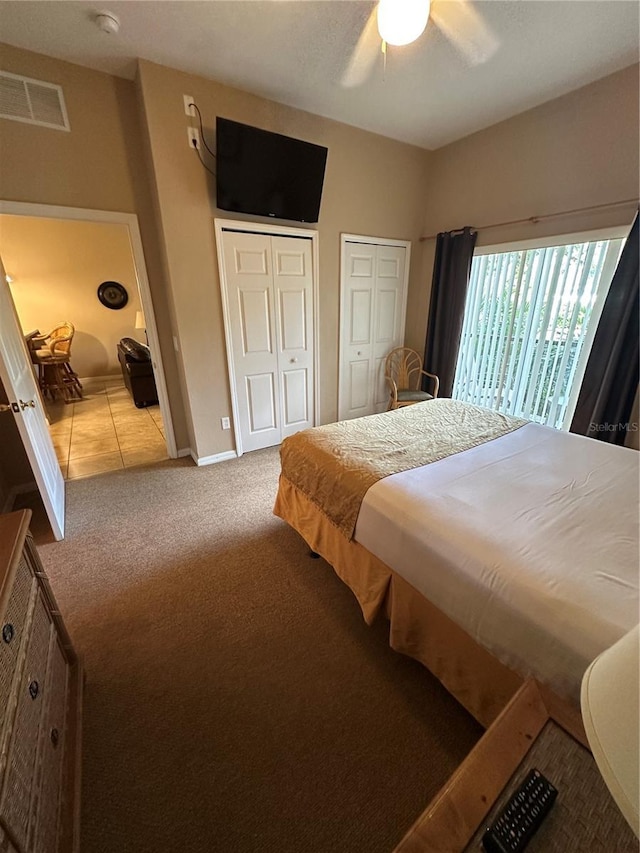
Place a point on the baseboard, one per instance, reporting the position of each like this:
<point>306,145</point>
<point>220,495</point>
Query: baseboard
<point>217,457</point>
<point>112,378</point>
<point>184,451</point>
<point>14,491</point>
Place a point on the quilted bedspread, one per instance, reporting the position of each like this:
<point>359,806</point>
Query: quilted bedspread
<point>335,464</point>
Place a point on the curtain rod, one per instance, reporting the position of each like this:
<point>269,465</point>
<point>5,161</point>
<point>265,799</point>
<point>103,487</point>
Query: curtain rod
<point>535,219</point>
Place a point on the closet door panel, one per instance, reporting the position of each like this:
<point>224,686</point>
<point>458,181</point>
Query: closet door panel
<point>253,337</point>
<point>358,386</point>
<point>293,289</point>
<point>255,322</point>
<point>260,394</point>
<point>388,326</point>
<point>356,321</point>
<point>295,389</point>
<point>371,323</point>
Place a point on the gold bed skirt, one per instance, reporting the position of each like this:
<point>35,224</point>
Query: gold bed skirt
<point>418,629</point>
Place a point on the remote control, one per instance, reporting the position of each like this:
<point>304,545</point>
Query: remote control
<point>520,818</point>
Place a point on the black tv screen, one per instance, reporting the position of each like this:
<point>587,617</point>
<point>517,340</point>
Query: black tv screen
<point>267,174</point>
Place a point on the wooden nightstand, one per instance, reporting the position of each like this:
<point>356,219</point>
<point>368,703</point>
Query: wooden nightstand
<point>536,729</point>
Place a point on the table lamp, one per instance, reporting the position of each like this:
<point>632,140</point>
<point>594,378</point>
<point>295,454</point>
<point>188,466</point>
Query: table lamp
<point>609,701</point>
<point>141,324</point>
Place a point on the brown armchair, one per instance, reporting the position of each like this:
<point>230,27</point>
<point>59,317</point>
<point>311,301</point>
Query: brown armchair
<point>403,372</point>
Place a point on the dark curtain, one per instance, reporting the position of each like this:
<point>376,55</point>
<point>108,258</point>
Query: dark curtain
<point>454,251</point>
<point>610,381</point>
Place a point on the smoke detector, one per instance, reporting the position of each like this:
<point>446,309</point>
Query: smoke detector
<point>107,22</point>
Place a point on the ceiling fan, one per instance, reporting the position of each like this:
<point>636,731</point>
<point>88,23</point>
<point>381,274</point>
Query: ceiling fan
<point>400,22</point>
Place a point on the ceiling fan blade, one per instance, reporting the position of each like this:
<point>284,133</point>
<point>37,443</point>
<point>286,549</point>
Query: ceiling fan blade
<point>364,55</point>
<point>465,29</point>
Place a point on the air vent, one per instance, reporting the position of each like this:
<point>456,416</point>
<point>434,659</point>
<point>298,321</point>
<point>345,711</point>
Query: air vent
<point>32,101</point>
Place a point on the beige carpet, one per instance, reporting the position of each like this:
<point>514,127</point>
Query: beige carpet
<point>235,699</point>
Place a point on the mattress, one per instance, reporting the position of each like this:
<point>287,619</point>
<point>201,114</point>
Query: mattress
<point>529,542</point>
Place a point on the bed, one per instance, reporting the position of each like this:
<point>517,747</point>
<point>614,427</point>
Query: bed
<point>499,549</point>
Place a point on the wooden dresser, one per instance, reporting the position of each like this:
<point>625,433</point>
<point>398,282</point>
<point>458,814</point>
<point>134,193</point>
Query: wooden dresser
<point>40,704</point>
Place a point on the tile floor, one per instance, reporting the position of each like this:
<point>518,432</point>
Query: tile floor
<point>104,431</point>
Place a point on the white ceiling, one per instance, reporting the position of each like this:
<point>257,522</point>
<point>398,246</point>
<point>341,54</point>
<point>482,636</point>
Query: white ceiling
<point>299,52</point>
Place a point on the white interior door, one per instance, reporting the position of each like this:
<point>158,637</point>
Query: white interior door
<point>293,289</point>
<point>19,382</point>
<point>372,315</point>
<point>356,326</point>
<point>389,316</point>
<point>248,272</point>
<point>269,297</point>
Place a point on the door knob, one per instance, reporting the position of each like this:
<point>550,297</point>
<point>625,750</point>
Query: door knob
<point>293,360</point>
<point>31,404</point>
<point>5,408</point>
<point>359,353</point>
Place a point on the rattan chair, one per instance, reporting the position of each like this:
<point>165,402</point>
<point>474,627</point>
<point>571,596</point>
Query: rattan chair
<point>403,372</point>
<point>52,354</point>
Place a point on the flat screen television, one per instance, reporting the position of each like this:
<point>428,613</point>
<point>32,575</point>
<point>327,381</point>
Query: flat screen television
<point>267,174</point>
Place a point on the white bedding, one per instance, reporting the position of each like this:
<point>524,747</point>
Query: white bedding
<point>529,542</point>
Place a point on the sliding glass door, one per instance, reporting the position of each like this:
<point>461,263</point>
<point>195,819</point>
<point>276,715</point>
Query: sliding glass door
<point>530,318</point>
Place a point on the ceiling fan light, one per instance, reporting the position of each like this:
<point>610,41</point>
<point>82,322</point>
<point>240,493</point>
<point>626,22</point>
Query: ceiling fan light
<point>402,21</point>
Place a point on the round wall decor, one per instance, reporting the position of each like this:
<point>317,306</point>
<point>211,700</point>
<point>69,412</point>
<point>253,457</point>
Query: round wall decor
<point>112,295</point>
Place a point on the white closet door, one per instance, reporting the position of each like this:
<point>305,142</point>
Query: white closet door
<point>356,326</point>
<point>293,290</point>
<point>269,284</point>
<point>388,326</point>
<point>373,300</point>
<point>253,337</point>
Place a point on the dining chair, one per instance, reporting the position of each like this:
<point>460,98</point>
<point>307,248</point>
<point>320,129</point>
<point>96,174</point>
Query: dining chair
<point>52,354</point>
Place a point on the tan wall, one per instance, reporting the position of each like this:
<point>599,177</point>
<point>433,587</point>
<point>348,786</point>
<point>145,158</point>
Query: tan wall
<point>57,266</point>
<point>88,167</point>
<point>576,151</point>
<point>99,165</point>
<point>373,186</point>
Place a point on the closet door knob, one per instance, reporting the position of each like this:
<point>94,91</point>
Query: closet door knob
<point>30,404</point>
<point>8,632</point>
<point>34,689</point>
<point>359,353</point>
<point>293,360</point>
<point>55,737</point>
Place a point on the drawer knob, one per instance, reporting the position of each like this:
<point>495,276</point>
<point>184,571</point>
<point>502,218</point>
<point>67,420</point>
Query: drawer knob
<point>34,689</point>
<point>55,737</point>
<point>8,632</point>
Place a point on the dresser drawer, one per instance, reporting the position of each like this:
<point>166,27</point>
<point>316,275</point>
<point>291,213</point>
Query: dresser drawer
<point>20,775</point>
<point>46,808</point>
<point>40,704</point>
<point>12,632</point>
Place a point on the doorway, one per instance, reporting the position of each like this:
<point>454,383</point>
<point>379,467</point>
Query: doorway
<point>101,428</point>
